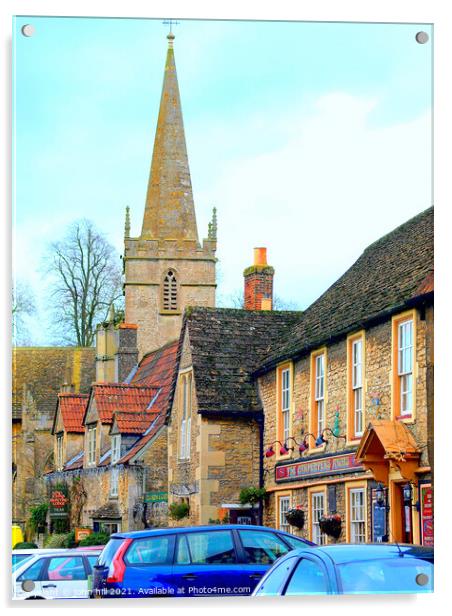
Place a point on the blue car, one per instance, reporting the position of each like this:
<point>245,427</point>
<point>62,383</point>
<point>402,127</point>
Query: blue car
<point>351,569</point>
<point>189,562</point>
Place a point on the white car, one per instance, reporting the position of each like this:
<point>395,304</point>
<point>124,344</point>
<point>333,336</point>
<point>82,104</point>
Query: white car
<point>20,556</point>
<point>60,575</point>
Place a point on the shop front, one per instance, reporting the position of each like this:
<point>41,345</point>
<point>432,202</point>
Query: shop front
<point>402,500</point>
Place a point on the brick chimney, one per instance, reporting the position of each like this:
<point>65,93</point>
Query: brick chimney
<point>259,282</point>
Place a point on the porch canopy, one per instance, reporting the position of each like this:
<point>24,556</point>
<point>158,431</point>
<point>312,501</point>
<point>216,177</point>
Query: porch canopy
<point>387,443</point>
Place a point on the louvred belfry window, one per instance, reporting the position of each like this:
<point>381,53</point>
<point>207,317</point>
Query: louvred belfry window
<point>170,291</point>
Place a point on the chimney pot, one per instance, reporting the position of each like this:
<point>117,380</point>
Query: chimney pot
<point>260,256</point>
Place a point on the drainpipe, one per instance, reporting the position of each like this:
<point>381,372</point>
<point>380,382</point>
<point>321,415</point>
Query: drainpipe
<point>260,423</point>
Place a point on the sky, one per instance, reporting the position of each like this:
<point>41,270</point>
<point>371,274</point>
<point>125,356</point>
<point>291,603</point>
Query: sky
<point>312,139</point>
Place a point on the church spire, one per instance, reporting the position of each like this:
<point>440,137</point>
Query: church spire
<point>169,211</point>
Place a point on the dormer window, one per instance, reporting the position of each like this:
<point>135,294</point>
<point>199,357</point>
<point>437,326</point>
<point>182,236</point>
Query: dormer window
<point>59,451</point>
<point>115,448</point>
<point>91,438</point>
<point>170,292</point>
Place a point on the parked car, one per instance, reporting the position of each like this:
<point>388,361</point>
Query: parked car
<point>351,569</point>
<point>62,574</point>
<point>20,556</point>
<point>193,561</point>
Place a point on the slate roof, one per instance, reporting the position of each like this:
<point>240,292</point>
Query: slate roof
<point>389,276</point>
<point>72,408</point>
<point>42,371</point>
<point>111,397</point>
<point>227,345</point>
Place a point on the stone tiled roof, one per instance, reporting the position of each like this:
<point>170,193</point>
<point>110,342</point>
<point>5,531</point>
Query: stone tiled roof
<point>42,371</point>
<point>108,511</point>
<point>227,345</point>
<point>390,274</point>
<point>111,397</point>
<point>72,408</point>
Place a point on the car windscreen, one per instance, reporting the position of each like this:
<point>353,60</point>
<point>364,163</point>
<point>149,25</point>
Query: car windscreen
<point>107,554</point>
<point>19,559</point>
<point>391,575</point>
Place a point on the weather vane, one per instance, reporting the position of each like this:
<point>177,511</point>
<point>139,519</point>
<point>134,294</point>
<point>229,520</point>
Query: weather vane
<point>170,23</point>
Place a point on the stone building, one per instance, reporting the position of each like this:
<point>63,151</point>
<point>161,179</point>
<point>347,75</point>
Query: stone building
<point>216,421</point>
<point>347,399</point>
<point>39,374</point>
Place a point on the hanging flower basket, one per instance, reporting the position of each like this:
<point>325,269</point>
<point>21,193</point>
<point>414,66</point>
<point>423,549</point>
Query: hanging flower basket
<point>295,517</point>
<point>331,525</point>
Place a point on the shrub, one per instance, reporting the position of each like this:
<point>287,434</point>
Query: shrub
<point>38,517</point>
<point>178,511</point>
<point>95,539</point>
<point>25,545</point>
<point>69,541</point>
<point>55,541</point>
<point>251,495</point>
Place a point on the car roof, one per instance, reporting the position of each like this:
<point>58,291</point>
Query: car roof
<point>191,529</point>
<point>349,552</point>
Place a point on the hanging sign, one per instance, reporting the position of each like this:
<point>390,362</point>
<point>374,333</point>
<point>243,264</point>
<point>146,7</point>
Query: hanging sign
<point>59,502</point>
<point>426,498</point>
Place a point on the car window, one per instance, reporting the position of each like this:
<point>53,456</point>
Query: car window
<point>62,568</point>
<point>19,560</point>
<point>399,575</point>
<point>276,578</point>
<point>308,578</point>
<point>182,553</point>
<point>213,548</point>
<point>262,547</point>
<point>92,561</point>
<point>33,572</point>
<point>107,554</point>
<point>294,542</point>
<point>149,551</point>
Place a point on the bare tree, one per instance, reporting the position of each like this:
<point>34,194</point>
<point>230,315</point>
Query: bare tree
<point>23,305</point>
<point>85,278</point>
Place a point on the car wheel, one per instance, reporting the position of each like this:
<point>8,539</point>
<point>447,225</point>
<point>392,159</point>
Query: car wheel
<point>33,598</point>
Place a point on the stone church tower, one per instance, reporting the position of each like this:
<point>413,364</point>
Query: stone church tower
<point>166,268</point>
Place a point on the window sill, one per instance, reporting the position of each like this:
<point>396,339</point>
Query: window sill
<point>170,312</point>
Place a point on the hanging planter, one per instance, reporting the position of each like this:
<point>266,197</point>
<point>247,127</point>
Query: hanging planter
<point>295,517</point>
<point>331,525</point>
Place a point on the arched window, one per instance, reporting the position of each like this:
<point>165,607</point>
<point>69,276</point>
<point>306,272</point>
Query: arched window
<point>170,291</point>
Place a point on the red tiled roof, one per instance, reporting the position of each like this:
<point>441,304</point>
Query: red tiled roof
<point>157,369</point>
<point>72,408</point>
<point>159,422</point>
<point>111,397</point>
<point>75,463</point>
<point>134,423</point>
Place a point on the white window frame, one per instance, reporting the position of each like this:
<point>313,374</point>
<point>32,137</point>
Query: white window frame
<point>115,448</point>
<point>285,403</point>
<point>317,511</point>
<point>59,451</point>
<point>185,424</point>
<point>405,361</point>
<point>283,507</point>
<point>357,515</point>
<point>320,391</point>
<point>91,444</point>
<point>357,386</point>
<point>114,481</point>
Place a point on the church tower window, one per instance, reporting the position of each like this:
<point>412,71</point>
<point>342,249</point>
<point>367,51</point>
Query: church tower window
<point>170,291</point>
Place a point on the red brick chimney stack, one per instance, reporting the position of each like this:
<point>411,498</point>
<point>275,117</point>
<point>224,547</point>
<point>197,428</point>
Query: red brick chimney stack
<point>259,282</point>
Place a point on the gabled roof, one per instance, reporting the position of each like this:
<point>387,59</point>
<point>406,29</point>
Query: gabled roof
<point>227,345</point>
<point>132,423</point>
<point>72,408</point>
<point>111,397</point>
<point>390,275</point>
<point>150,433</point>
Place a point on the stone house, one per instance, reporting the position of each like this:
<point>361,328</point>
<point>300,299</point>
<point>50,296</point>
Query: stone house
<point>347,399</point>
<point>39,374</point>
<point>216,420</point>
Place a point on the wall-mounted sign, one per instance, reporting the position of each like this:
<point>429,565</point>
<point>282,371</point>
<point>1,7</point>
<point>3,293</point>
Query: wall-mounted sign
<point>82,533</point>
<point>156,497</point>
<point>426,499</point>
<point>317,467</point>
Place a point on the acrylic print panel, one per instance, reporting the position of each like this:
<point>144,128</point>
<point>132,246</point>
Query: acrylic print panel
<point>223,308</point>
